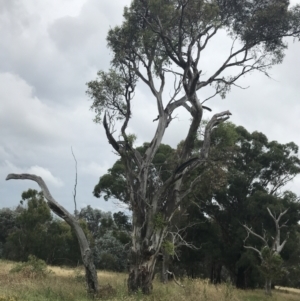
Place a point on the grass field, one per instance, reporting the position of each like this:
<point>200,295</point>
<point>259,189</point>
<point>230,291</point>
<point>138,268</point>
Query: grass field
<point>64,284</point>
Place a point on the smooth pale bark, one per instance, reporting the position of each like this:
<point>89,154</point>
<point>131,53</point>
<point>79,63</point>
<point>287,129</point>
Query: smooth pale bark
<point>86,254</point>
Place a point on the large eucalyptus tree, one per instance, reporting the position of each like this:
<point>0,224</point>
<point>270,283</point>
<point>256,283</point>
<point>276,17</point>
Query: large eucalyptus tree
<point>166,38</point>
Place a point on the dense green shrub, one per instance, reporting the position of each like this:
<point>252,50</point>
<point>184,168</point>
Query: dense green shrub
<point>33,268</point>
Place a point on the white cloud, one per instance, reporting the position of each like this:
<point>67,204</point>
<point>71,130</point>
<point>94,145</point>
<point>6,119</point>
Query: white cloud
<point>22,113</point>
<point>45,173</point>
<point>94,169</point>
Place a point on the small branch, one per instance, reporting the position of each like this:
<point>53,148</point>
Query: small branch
<point>178,240</point>
<point>254,249</point>
<point>250,231</point>
<point>174,278</point>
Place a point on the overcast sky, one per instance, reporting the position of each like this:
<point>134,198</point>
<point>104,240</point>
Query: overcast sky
<point>50,49</point>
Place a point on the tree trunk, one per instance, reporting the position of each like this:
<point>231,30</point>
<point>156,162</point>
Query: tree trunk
<point>90,272</point>
<point>240,278</point>
<point>215,273</point>
<point>165,267</point>
<point>268,287</point>
<point>146,244</point>
<point>141,276</point>
<point>147,236</point>
<point>86,253</point>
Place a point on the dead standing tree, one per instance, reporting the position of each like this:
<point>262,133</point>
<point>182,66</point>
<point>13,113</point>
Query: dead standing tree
<point>161,39</point>
<point>269,254</point>
<point>86,253</point>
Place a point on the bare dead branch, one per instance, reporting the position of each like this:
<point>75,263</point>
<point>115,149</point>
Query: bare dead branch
<point>254,249</point>
<point>109,136</point>
<point>86,253</point>
<point>250,231</point>
<point>75,185</point>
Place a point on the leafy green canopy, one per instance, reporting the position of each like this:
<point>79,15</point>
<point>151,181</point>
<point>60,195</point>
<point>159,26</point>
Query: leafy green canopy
<point>33,231</point>
<point>110,236</point>
<point>160,36</point>
<point>30,229</point>
<point>244,177</point>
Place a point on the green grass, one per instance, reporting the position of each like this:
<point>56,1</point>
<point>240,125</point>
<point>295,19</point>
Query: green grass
<point>68,285</point>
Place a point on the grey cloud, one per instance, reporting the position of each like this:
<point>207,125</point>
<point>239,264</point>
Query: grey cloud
<point>16,17</point>
<point>31,117</point>
<point>57,62</point>
<point>33,133</point>
<point>45,61</point>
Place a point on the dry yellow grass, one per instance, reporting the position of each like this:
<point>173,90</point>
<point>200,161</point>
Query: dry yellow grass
<point>67,272</point>
<point>288,289</point>
<point>66,284</point>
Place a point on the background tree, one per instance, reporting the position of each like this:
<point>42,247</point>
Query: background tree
<point>32,230</point>
<point>269,253</point>
<point>111,237</point>
<point>30,234</point>
<point>166,38</point>
<point>291,254</point>
<point>245,174</point>
<point>8,222</point>
<point>110,253</point>
<point>98,222</point>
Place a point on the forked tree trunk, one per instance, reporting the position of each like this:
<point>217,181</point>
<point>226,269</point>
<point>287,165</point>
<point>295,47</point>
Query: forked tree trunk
<point>141,275</point>
<point>86,253</point>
